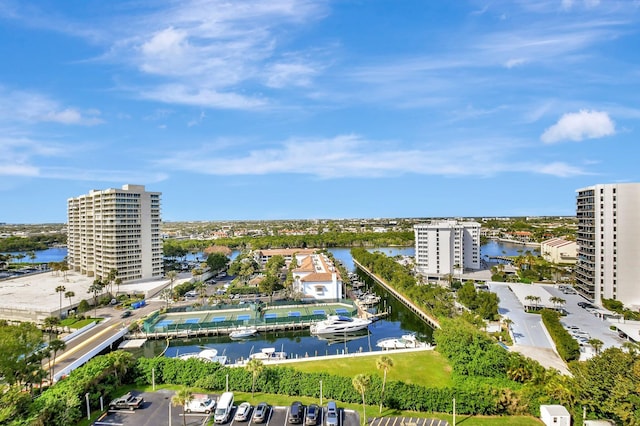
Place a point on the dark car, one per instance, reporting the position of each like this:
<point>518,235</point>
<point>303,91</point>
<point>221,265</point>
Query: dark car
<point>296,412</point>
<point>126,314</point>
<point>261,412</point>
<point>311,419</point>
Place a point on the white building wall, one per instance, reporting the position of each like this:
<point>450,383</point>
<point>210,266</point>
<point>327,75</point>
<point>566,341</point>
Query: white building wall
<point>614,243</point>
<point>116,229</point>
<point>442,245</point>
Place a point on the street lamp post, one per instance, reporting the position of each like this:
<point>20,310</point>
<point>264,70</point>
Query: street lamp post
<point>86,397</point>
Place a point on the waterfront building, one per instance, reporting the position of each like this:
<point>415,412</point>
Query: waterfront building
<point>559,250</point>
<point>317,278</point>
<point>608,240</point>
<point>263,256</point>
<point>447,247</point>
<point>115,229</point>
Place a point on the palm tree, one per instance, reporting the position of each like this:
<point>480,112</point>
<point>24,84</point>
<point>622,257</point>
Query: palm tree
<point>201,288</point>
<point>182,398</point>
<point>596,344</point>
<point>172,275</point>
<point>69,295</point>
<point>55,346</point>
<point>95,288</point>
<point>385,364</point>
<point>121,362</point>
<point>61,289</point>
<point>255,366</point>
<point>361,382</point>
<point>166,295</point>
<point>557,301</point>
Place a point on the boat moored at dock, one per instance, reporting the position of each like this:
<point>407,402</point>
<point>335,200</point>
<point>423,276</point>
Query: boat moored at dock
<point>335,324</point>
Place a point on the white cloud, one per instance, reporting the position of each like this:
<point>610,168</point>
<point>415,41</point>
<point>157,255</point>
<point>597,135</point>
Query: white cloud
<point>202,97</point>
<point>512,63</point>
<point>290,74</point>
<point>23,106</point>
<point>353,156</point>
<point>580,125</point>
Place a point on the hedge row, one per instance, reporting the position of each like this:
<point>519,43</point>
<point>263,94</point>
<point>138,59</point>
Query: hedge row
<point>287,381</point>
<point>568,348</point>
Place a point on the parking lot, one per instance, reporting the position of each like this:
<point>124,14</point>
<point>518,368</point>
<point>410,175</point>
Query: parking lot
<point>583,323</point>
<point>158,411</point>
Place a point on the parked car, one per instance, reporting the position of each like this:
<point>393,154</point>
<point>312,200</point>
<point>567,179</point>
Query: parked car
<point>261,413</point>
<point>126,402</point>
<point>296,412</point>
<point>331,418</point>
<point>311,418</point>
<point>243,412</point>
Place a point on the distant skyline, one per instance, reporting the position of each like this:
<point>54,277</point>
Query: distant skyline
<point>303,109</point>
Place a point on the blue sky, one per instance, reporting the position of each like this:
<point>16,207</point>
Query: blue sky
<point>287,109</point>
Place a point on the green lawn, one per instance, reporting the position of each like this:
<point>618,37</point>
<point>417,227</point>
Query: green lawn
<point>72,323</point>
<point>423,368</point>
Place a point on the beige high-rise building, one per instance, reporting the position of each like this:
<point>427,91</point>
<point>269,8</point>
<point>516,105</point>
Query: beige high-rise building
<point>447,247</point>
<point>608,240</point>
<point>115,229</point>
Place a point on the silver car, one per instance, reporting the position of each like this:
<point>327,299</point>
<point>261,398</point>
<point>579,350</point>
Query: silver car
<point>242,413</point>
<point>331,418</point>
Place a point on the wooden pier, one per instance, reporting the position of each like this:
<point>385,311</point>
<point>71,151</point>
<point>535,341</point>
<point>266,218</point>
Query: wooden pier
<point>409,304</point>
<point>220,331</point>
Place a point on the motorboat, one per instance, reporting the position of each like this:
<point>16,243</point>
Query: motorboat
<point>208,355</point>
<point>243,333</point>
<point>269,354</point>
<point>336,324</point>
<point>369,299</point>
<point>404,342</point>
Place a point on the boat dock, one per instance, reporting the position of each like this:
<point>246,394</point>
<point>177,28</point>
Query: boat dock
<point>409,304</point>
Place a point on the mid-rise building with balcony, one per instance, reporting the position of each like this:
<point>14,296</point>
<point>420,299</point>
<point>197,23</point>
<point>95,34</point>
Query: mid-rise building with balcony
<point>447,247</point>
<point>115,229</point>
<point>608,239</point>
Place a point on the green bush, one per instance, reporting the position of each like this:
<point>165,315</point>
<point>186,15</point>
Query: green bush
<point>567,347</point>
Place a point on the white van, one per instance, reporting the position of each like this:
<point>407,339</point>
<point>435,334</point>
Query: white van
<point>223,408</point>
<point>202,404</point>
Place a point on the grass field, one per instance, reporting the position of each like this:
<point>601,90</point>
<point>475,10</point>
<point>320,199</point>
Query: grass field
<point>423,367</point>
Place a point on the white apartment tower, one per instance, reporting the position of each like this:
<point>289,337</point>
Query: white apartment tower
<point>608,240</point>
<point>115,229</point>
<point>447,247</point>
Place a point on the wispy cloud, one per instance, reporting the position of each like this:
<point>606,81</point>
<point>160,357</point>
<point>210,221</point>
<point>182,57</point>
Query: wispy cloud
<point>353,156</point>
<point>32,107</point>
<point>577,126</point>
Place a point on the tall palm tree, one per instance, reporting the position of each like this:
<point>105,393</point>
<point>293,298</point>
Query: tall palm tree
<point>95,288</point>
<point>385,364</point>
<point>55,346</point>
<point>182,398</point>
<point>255,366</point>
<point>172,275</point>
<point>69,294</point>
<point>61,289</point>
<point>596,344</point>
<point>361,382</point>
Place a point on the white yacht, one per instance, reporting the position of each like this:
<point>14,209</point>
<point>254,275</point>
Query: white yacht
<point>209,355</point>
<point>269,354</point>
<point>339,324</point>
<point>243,333</point>
<point>406,341</point>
